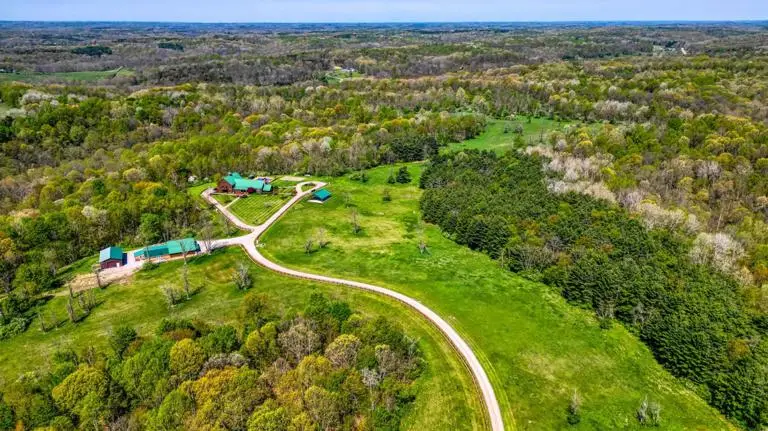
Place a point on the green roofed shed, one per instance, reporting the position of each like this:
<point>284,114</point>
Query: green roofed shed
<point>152,251</point>
<point>188,245</point>
<point>267,188</point>
<point>322,195</point>
<point>111,253</point>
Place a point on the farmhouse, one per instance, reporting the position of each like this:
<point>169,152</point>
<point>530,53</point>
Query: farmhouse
<point>235,183</point>
<point>169,250</point>
<point>111,257</point>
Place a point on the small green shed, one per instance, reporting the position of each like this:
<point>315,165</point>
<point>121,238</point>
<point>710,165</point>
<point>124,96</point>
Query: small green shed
<point>322,195</point>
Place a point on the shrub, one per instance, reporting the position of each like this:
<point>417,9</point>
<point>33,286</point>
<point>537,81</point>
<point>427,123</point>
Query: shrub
<point>15,326</point>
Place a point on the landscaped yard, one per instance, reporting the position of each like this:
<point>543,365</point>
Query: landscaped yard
<point>500,135</point>
<point>257,208</point>
<point>536,348</point>
<point>445,393</point>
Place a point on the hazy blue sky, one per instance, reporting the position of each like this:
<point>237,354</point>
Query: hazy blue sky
<point>381,10</point>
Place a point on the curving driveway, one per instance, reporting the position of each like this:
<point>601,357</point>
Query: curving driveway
<point>249,243</point>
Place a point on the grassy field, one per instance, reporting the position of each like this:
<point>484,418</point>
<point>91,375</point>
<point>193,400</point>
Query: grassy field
<point>446,397</point>
<point>337,76</point>
<point>536,348</point>
<point>500,134</point>
<point>88,76</point>
<point>3,108</point>
<point>224,199</point>
<point>256,209</point>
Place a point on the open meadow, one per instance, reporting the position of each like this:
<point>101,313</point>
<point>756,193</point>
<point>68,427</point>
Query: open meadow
<point>536,348</point>
<point>505,135</point>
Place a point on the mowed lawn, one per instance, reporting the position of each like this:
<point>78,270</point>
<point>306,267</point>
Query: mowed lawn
<point>257,208</point>
<point>536,348</point>
<point>446,398</point>
<point>500,135</point>
<point>224,199</point>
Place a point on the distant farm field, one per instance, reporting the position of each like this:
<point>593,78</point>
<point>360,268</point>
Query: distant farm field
<point>256,209</point>
<point>87,76</point>
<point>503,135</point>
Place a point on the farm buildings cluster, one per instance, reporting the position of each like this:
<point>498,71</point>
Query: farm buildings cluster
<point>239,185</point>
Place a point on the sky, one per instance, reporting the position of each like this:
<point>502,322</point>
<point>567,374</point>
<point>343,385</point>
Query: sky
<point>381,10</point>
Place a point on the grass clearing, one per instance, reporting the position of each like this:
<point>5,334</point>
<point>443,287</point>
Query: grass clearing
<point>87,76</point>
<point>536,348</point>
<point>500,135</point>
<point>257,208</point>
<point>224,199</point>
<point>445,394</point>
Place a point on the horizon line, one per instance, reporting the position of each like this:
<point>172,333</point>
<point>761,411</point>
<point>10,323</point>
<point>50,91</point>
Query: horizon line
<point>596,21</point>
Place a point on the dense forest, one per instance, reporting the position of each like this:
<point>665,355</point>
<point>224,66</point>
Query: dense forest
<point>696,320</point>
<point>648,204</point>
<point>324,368</point>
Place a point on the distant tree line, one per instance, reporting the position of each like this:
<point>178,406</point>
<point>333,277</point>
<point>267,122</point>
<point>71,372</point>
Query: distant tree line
<point>171,45</point>
<point>92,51</point>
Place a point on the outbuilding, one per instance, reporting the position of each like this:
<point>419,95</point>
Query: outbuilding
<point>169,250</point>
<point>111,257</point>
<point>321,195</point>
<point>179,247</point>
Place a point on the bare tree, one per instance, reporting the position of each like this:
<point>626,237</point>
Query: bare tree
<point>355,220</point>
<point>241,277</point>
<point>185,280</point>
<point>371,379</point>
<point>71,310</point>
<point>423,246</point>
<point>96,268</point>
<point>322,242</point>
<point>389,362</point>
<point>299,340</point>
<point>574,409</point>
<point>206,235</point>
<point>309,246</point>
<point>184,251</point>
<point>605,313</point>
<point>169,293</point>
